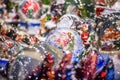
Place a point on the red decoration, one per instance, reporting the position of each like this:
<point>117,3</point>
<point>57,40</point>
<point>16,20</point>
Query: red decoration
<point>103,74</point>
<point>33,40</point>
<point>28,4</point>
<point>85,36</point>
<point>9,44</point>
<point>99,10</point>
<point>49,58</point>
<point>19,38</point>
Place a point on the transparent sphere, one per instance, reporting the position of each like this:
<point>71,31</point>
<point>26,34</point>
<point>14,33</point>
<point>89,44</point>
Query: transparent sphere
<point>31,59</point>
<point>30,9</point>
<point>66,40</point>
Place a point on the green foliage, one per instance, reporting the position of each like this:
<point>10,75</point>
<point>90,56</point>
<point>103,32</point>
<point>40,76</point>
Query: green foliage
<point>71,44</point>
<point>48,17</point>
<point>30,13</point>
<point>9,5</point>
<point>88,8</point>
<point>46,2</point>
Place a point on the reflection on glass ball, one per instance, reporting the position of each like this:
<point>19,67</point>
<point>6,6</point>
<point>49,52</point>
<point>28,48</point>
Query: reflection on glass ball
<point>32,61</point>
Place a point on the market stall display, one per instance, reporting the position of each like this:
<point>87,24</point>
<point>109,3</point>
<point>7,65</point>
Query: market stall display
<point>59,40</point>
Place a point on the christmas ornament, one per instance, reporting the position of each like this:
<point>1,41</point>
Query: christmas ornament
<point>65,40</point>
